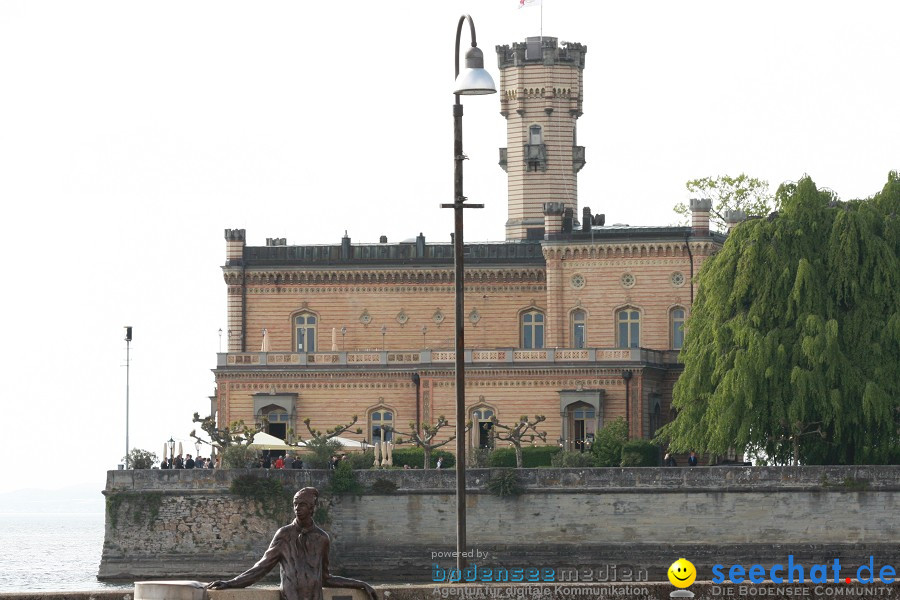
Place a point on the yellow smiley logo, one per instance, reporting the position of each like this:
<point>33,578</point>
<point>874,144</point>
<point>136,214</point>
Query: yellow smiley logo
<point>682,573</point>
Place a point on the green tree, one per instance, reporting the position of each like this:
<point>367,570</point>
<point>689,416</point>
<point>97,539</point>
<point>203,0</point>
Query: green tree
<point>794,339</point>
<point>607,448</point>
<point>518,433</point>
<point>425,439</point>
<point>321,444</point>
<point>140,459</point>
<point>745,193</point>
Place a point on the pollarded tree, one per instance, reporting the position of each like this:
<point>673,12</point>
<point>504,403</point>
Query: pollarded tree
<point>745,193</point>
<point>237,433</point>
<point>793,347</point>
<point>425,439</point>
<point>517,433</point>
<point>322,444</point>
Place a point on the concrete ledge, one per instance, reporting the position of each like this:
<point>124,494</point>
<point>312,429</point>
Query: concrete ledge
<point>831,478</point>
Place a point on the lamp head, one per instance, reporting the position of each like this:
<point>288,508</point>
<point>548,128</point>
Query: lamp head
<point>474,79</point>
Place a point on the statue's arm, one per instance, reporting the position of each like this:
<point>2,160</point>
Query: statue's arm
<point>331,581</point>
<point>257,571</point>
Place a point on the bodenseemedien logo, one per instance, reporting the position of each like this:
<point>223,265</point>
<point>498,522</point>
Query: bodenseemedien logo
<point>682,574</point>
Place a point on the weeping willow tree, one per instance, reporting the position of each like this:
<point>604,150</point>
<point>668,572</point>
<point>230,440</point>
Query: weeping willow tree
<point>793,347</point>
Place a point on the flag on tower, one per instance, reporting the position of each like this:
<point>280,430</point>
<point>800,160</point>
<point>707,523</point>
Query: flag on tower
<point>528,3</point>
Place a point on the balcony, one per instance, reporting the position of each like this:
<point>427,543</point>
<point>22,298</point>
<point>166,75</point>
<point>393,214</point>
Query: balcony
<point>444,358</point>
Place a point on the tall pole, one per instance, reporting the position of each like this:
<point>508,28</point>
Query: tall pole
<point>127,388</point>
<point>459,295</point>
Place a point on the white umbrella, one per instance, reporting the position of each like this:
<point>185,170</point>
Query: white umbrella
<point>347,443</point>
<point>180,451</point>
<point>333,339</point>
<point>265,341</point>
<point>264,441</point>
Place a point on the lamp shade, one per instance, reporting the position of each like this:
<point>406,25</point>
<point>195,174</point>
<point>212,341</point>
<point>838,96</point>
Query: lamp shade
<point>474,79</point>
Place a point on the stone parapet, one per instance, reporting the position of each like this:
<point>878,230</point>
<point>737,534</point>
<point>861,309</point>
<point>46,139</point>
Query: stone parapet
<point>186,523</point>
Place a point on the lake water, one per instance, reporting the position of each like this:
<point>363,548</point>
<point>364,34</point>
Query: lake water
<point>44,552</point>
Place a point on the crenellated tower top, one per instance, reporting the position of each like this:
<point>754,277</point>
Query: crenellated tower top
<point>541,94</point>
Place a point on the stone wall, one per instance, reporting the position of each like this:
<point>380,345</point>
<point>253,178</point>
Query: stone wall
<point>187,524</point>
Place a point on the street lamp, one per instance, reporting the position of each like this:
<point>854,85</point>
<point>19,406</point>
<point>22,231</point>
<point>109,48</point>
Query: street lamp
<point>220,340</point>
<point>473,80</point>
<point>171,448</point>
<point>343,333</point>
<point>424,331</point>
<point>383,332</point>
<point>128,329</point>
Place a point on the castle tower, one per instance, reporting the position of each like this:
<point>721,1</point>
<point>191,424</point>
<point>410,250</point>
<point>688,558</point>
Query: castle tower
<point>541,85</point>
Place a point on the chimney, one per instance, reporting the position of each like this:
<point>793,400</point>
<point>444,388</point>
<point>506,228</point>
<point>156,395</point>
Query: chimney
<point>733,218</point>
<point>568,219</point>
<point>234,245</point>
<point>420,245</point>
<point>553,218</point>
<point>700,208</point>
<point>586,220</point>
<point>345,246</point>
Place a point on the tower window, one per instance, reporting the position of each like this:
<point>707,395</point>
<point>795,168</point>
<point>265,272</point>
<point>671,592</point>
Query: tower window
<point>535,149</point>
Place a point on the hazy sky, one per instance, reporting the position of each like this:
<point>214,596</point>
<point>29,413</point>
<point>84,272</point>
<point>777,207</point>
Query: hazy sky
<point>133,133</point>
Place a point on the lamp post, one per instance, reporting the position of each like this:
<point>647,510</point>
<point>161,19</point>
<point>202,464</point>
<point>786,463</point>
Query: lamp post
<point>220,340</point>
<point>171,449</point>
<point>127,386</point>
<point>343,333</point>
<point>383,333</point>
<point>424,331</point>
<point>473,80</point>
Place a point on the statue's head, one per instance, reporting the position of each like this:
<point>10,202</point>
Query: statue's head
<point>305,503</point>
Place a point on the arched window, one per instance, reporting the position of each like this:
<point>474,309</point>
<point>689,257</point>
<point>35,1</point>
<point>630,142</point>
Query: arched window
<point>381,423</point>
<point>578,320</point>
<point>532,329</point>
<point>482,426</point>
<point>276,420</point>
<point>629,328</point>
<point>305,332</point>
<point>676,327</point>
<point>582,426</point>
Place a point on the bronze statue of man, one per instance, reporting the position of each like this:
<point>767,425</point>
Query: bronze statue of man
<point>301,549</point>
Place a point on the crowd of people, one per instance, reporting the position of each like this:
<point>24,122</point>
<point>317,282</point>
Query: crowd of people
<point>280,462</point>
<point>186,463</point>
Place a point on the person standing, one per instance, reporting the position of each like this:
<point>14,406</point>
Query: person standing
<point>189,463</point>
<point>692,459</point>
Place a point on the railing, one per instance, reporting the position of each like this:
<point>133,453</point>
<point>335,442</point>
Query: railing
<point>473,356</point>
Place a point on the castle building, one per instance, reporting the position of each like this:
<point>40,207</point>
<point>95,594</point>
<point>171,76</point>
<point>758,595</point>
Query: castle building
<point>574,320</point>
